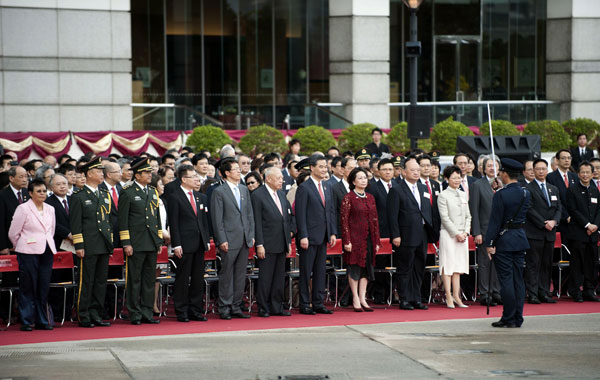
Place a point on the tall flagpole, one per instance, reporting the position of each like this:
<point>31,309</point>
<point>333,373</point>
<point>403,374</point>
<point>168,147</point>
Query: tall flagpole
<point>492,140</point>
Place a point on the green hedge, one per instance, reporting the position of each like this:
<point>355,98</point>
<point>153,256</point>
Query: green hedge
<point>500,128</point>
<point>445,133</point>
<point>582,125</point>
<point>263,138</point>
<point>398,142</point>
<point>355,137</point>
<point>313,138</point>
<point>552,134</point>
<point>208,137</point>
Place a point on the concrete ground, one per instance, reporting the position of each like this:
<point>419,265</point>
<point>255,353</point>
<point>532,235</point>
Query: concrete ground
<point>557,347</point>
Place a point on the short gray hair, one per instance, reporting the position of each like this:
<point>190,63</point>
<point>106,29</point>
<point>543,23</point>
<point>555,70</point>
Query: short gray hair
<point>39,173</point>
<point>269,171</point>
<point>227,151</point>
<point>58,175</point>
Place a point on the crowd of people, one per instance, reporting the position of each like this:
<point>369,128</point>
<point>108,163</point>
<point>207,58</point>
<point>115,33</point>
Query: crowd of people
<point>512,211</point>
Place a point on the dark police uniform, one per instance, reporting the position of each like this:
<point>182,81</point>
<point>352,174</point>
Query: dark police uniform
<point>89,217</point>
<point>511,245</point>
<point>140,227</point>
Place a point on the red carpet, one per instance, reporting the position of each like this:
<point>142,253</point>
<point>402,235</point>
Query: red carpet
<point>341,317</point>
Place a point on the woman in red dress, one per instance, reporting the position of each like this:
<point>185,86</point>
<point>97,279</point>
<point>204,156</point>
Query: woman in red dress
<point>360,237</point>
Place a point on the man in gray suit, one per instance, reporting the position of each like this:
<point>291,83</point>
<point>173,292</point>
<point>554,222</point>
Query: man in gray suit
<point>233,230</point>
<point>480,205</point>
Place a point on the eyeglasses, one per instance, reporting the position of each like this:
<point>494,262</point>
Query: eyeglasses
<point>251,183</point>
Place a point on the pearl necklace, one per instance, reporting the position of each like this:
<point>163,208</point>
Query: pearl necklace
<point>363,195</point>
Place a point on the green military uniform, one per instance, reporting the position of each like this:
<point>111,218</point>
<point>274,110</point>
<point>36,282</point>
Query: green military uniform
<point>90,226</point>
<point>140,227</point>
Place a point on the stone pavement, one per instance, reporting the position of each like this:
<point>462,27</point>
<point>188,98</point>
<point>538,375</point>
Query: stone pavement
<point>562,346</point>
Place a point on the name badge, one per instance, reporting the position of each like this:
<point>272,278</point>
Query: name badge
<point>594,200</point>
<point>553,198</point>
<point>288,186</point>
<point>437,193</point>
<point>87,202</point>
<point>426,195</point>
<point>137,198</point>
<point>289,211</point>
<point>202,206</point>
<point>206,209</point>
<point>106,201</point>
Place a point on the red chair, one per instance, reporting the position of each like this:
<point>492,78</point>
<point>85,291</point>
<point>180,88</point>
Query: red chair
<point>64,260</point>
<point>387,249</point>
<point>561,264</point>
<point>475,266</point>
<point>164,280</point>
<point>9,264</point>
<point>333,253</point>
<point>117,259</point>
<point>434,271</point>
<point>211,275</point>
<point>293,273</point>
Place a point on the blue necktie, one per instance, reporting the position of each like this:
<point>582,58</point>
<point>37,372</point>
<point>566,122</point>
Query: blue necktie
<point>236,194</point>
<point>546,194</point>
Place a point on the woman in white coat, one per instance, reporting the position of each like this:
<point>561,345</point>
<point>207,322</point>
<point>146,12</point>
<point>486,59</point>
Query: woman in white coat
<point>454,247</point>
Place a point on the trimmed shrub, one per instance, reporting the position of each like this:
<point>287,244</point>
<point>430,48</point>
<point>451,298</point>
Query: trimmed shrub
<point>445,133</point>
<point>208,137</point>
<point>355,137</point>
<point>500,128</point>
<point>313,138</point>
<point>553,135</point>
<point>263,138</point>
<point>399,142</point>
<point>582,125</point>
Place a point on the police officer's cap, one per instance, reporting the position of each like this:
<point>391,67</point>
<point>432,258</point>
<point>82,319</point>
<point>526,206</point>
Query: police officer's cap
<point>398,161</point>
<point>435,154</point>
<point>510,165</point>
<point>362,154</point>
<point>303,164</point>
<point>95,163</point>
<point>141,164</point>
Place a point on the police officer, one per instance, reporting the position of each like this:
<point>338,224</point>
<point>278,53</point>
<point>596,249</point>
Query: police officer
<point>506,241</point>
<point>92,236</point>
<point>141,238</point>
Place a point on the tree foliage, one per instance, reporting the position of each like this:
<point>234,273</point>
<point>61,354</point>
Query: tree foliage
<point>552,134</point>
<point>445,133</point>
<point>208,137</point>
<point>263,138</point>
<point>355,137</point>
<point>500,128</point>
<point>314,138</point>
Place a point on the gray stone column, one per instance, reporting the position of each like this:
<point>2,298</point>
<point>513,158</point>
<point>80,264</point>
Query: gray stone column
<point>65,65</point>
<point>573,57</point>
<point>359,59</point>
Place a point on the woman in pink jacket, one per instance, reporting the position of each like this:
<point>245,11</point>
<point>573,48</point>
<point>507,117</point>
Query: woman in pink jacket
<point>32,235</point>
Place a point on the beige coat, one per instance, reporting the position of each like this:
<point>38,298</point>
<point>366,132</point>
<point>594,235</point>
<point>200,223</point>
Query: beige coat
<point>454,211</point>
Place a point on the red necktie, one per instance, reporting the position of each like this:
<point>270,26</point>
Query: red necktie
<point>598,184</point>
<point>66,206</point>
<point>192,202</point>
<point>389,186</point>
<point>321,194</point>
<point>429,191</point>
<point>19,198</point>
<point>566,181</point>
<point>115,197</point>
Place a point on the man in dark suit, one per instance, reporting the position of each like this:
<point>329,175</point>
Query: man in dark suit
<point>581,152</point>
<point>411,225</point>
<point>315,219</point>
<point>10,198</point>
<point>582,201</point>
<point>188,219</point>
<point>542,219</point>
<point>562,178</point>
<point>480,206</point>
<point>62,204</point>
<point>337,170</point>
<point>233,228</point>
<point>274,226</point>
<point>377,148</point>
<point>341,188</point>
<point>112,184</point>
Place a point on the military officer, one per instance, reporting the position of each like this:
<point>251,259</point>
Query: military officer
<point>92,236</point>
<point>506,241</point>
<point>141,238</point>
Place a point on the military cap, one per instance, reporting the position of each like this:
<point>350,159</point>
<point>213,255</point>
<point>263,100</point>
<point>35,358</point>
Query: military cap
<point>141,164</point>
<point>398,161</point>
<point>303,164</point>
<point>435,154</point>
<point>95,163</point>
<point>510,165</point>
<point>362,155</point>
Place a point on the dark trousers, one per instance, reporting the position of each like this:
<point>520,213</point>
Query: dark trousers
<point>92,287</point>
<point>232,279</point>
<point>312,264</point>
<point>34,283</point>
<point>271,281</point>
<point>486,284</point>
<point>188,293</point>
<point>410,268</point>
<point>141,276</point>
<point>512,288</point>
<point>582,267</point>
<point>539,267</point>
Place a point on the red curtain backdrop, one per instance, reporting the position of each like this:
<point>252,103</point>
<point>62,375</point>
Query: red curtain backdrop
<point>43,143</point>
<point>131,143</point>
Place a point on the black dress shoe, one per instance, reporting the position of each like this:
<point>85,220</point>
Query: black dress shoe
<point>405,306</point>
<point>497,299</point>
<point>86,324</point>
<point>263,314</point>
<point>225,316</point>
<point>358,309</point>
<point>367,309</point>
<point>239,314</point>
<point>307,311</point>
<point>591,298</point>
<point>484,302</point>
<point>198,317</point>
<point>101,323</point>
<point>182,318</point>
<point>420,306</point>
<point>323,310</point>
<point>578,298</point>
<point>150,321</point>
<point>547,299</point>
<point>26,328</point>
<point>533,301</point>
<point>284,313</point>
<point>502,324</point>
<point>136,323</point>
<point>44,327</point>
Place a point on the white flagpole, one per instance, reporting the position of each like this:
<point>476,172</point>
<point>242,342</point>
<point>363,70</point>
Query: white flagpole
<point>492,140</point>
